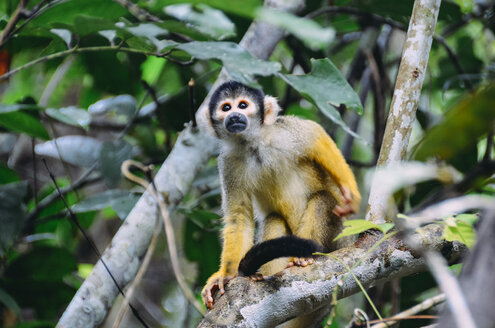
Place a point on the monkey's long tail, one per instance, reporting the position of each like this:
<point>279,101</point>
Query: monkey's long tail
<point>274,248</point>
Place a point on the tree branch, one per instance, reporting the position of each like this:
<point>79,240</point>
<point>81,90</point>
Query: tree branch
<point>297,291</point>
<point>405,100</point>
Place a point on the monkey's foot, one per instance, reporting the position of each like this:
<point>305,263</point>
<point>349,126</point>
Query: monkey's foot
<point>346,208</point>
<point>215,283</point>
<point>300,261</point>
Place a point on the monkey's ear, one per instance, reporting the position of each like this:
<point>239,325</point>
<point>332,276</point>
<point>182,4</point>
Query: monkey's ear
<point>271,110</point>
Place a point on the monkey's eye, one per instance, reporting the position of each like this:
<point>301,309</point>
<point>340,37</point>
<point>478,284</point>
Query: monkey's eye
<point>243,105</point>
<point>226,107</point>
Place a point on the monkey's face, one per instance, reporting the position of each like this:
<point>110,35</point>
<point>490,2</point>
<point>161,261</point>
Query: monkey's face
<point>235,115</point>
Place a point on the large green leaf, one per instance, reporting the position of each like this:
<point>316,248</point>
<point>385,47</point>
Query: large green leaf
<point>204,19</point>
<point>121,201</point>
<point>25,123</point>
<point>308,31</point>
<point>326,88</point>
<point>461,128</point>
<point>71,115</point>
<point>12,212</point>
<point>236,60</point>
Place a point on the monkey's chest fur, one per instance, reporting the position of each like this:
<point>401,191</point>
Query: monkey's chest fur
<point>275,174</point>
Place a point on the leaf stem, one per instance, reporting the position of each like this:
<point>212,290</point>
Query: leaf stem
<point>77,50</point>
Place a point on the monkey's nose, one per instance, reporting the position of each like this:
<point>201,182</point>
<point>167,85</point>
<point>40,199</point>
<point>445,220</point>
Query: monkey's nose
<point>236,122</point>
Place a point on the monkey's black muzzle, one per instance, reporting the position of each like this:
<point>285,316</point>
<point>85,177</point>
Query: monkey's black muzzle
<point>236,122</point>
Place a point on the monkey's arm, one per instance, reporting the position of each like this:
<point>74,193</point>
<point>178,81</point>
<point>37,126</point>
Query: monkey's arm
<point>325,152</point>
<point>238,237</point>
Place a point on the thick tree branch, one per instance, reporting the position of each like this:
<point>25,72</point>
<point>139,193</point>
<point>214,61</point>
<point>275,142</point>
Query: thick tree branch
<point>297,291</point>
<point>194,147</point>
<point>405,100</point>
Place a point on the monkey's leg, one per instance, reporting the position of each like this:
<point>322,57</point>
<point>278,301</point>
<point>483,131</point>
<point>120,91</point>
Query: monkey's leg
<point>275,226</point>
<point>318,223</point>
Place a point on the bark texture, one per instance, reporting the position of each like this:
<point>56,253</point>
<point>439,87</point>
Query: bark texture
<point>297,291</point>
<point>405,100</point>
<point>194,147</point>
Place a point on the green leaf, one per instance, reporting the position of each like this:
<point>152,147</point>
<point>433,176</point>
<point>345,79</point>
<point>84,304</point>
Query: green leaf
<point>13,210</point>
<point>71,115</point>
<point>24,123</point>
<point>327,89</point>
<point>204,19</point>
<point>385,227</point>
<point>152,68</point>
<point>121,201</point>
<point>308,31</point>
<point>354,227</point>
<point>463,125</point>
<point>240,64</point>
<point>112,155</point>
<point>7,175</point>
<point>64,34</point>
<point>459,229</point>
<point>77,150</point>
<point>84,25</point>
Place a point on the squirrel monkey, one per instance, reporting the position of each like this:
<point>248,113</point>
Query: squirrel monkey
<point>285,171</point>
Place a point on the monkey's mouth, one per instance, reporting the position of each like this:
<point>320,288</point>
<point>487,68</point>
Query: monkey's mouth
<point>236,123</point>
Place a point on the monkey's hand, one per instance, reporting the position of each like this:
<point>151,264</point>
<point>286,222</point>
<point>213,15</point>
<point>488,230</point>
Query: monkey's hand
<point>215,283</point>
<point>348,205</point>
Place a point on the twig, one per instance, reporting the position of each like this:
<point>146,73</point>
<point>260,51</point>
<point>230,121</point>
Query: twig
<point>37,10</point>
<point>406,314</point>
<point>158,105</point>
<point>77,50</point>
<point>169,230</point>
<point>139,274</point>
<point>379,112</point>
<point>16,16</point>
<point>80,182</point>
